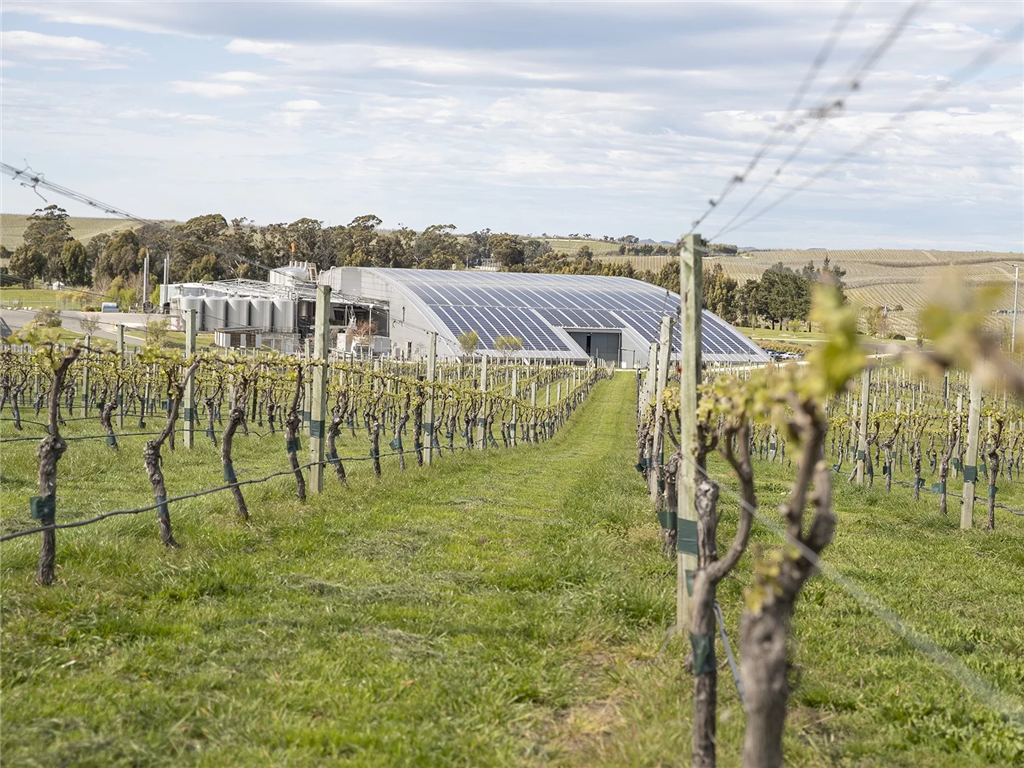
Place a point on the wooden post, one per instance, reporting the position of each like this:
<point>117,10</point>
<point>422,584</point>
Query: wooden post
<point>481,419</point>
<point>515,406</point>
<point>661,381</point>
<point>120,364</point>
<point>971,459</point>
<point>690,317</point>
<point>190,385</point>
<point>428,409</point>
<point>85,376</point>
<point>959,413</point>
<point>533,404</point>
<point>308,394</point>
<point>318,377</point>
<point>862,441</point>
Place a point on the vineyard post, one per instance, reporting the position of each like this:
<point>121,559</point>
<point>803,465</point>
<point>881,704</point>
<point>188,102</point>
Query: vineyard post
<point>515,407</point>
<point>959,413</point>
<point>428,425</point>
<point>652,373</point>
<point>190,384</point>
<point>971,459</point>
<point>481,419</point>
<point>533,406</point>
<point>85,376</point>
<point>120,364</point>
<point>945,390</point>
<point>862,441</point>
<point>654,477</point>
<point>691,291</point>
<point>318,375</point>
<point>308,394</point>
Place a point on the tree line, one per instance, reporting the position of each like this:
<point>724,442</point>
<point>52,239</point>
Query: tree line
<point>209,247</point>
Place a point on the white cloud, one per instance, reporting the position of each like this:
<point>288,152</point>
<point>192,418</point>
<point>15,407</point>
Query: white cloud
<point>160,114</point>
<point>303,105</point>
<point>255,46</point>
<point>241,77</point>
<point>35,46</point>
<point>208,90</point>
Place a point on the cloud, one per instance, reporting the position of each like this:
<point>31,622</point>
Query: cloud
<point>160,114</point>
<point>303,105</point>
<point>208,90</point>
<point>256,46</point>
<point>35,46</point>
<point>241,77</point>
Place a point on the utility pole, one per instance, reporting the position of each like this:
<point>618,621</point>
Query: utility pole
<point>691,289</point>
<point>145,281</point>
<point>318,374</point>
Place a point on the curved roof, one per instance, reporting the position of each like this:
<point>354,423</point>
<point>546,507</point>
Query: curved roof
<point>539,308</point>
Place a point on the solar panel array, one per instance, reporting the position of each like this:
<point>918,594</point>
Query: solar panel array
<point>530,306</point>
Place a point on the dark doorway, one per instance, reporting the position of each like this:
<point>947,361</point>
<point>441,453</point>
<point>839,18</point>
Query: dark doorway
<point>599,345</point>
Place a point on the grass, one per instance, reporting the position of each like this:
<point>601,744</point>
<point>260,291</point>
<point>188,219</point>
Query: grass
<point>84,228</point>
<point>505,608</point>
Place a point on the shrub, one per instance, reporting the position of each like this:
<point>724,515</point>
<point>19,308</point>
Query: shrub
<point>48,318</point>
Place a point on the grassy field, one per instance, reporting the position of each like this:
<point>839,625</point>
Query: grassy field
<point>890,278</point>
<point>505,608</point>
<point>84,228</point>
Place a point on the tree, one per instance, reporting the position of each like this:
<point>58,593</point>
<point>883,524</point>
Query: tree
<point>508,343</point>
<point>76,263</point>
<point>877,321</point>
<point>48,317</point>
<point>478,247</point>
<point>47,231</point>
<point>507,249</point>
<point>469,341</point>
<point>783,295</point>
<point>156,332</point>
<point>27,262</point>
<point>534,249</point>
<point>120,258</point>
<point>438,248</point>
<point>719,293</point>
<point>89,324</point>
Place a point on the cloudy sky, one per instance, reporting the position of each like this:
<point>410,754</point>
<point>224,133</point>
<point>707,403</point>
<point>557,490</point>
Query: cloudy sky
<point>601,118</point>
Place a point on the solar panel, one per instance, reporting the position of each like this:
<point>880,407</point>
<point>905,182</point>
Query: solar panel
<point>531,306</point>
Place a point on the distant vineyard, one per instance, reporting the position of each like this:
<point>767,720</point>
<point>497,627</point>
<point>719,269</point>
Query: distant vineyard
<point>12,227</point>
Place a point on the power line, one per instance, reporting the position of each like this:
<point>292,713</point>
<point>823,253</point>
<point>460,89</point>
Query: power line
<point>34,181</point>
<point>974,67</point>
<point>850,82</point>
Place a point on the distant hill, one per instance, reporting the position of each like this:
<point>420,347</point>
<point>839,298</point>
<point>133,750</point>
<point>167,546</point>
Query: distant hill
<point>878,277</point>
<point>12,227</point>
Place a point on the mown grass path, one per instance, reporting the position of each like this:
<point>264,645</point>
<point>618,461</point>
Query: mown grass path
<point>447,616</point>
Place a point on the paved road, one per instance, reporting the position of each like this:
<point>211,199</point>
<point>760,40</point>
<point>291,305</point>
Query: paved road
<point>14,319</point>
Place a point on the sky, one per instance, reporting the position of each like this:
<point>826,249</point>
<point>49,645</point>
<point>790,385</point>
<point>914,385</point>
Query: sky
<point>558,118</point>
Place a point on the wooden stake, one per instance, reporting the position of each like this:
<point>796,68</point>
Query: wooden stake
<point>190,386</point>
<point>862,442</point>
<point>318,383</point>
<point>971,459</point>
<point>691,290</point>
